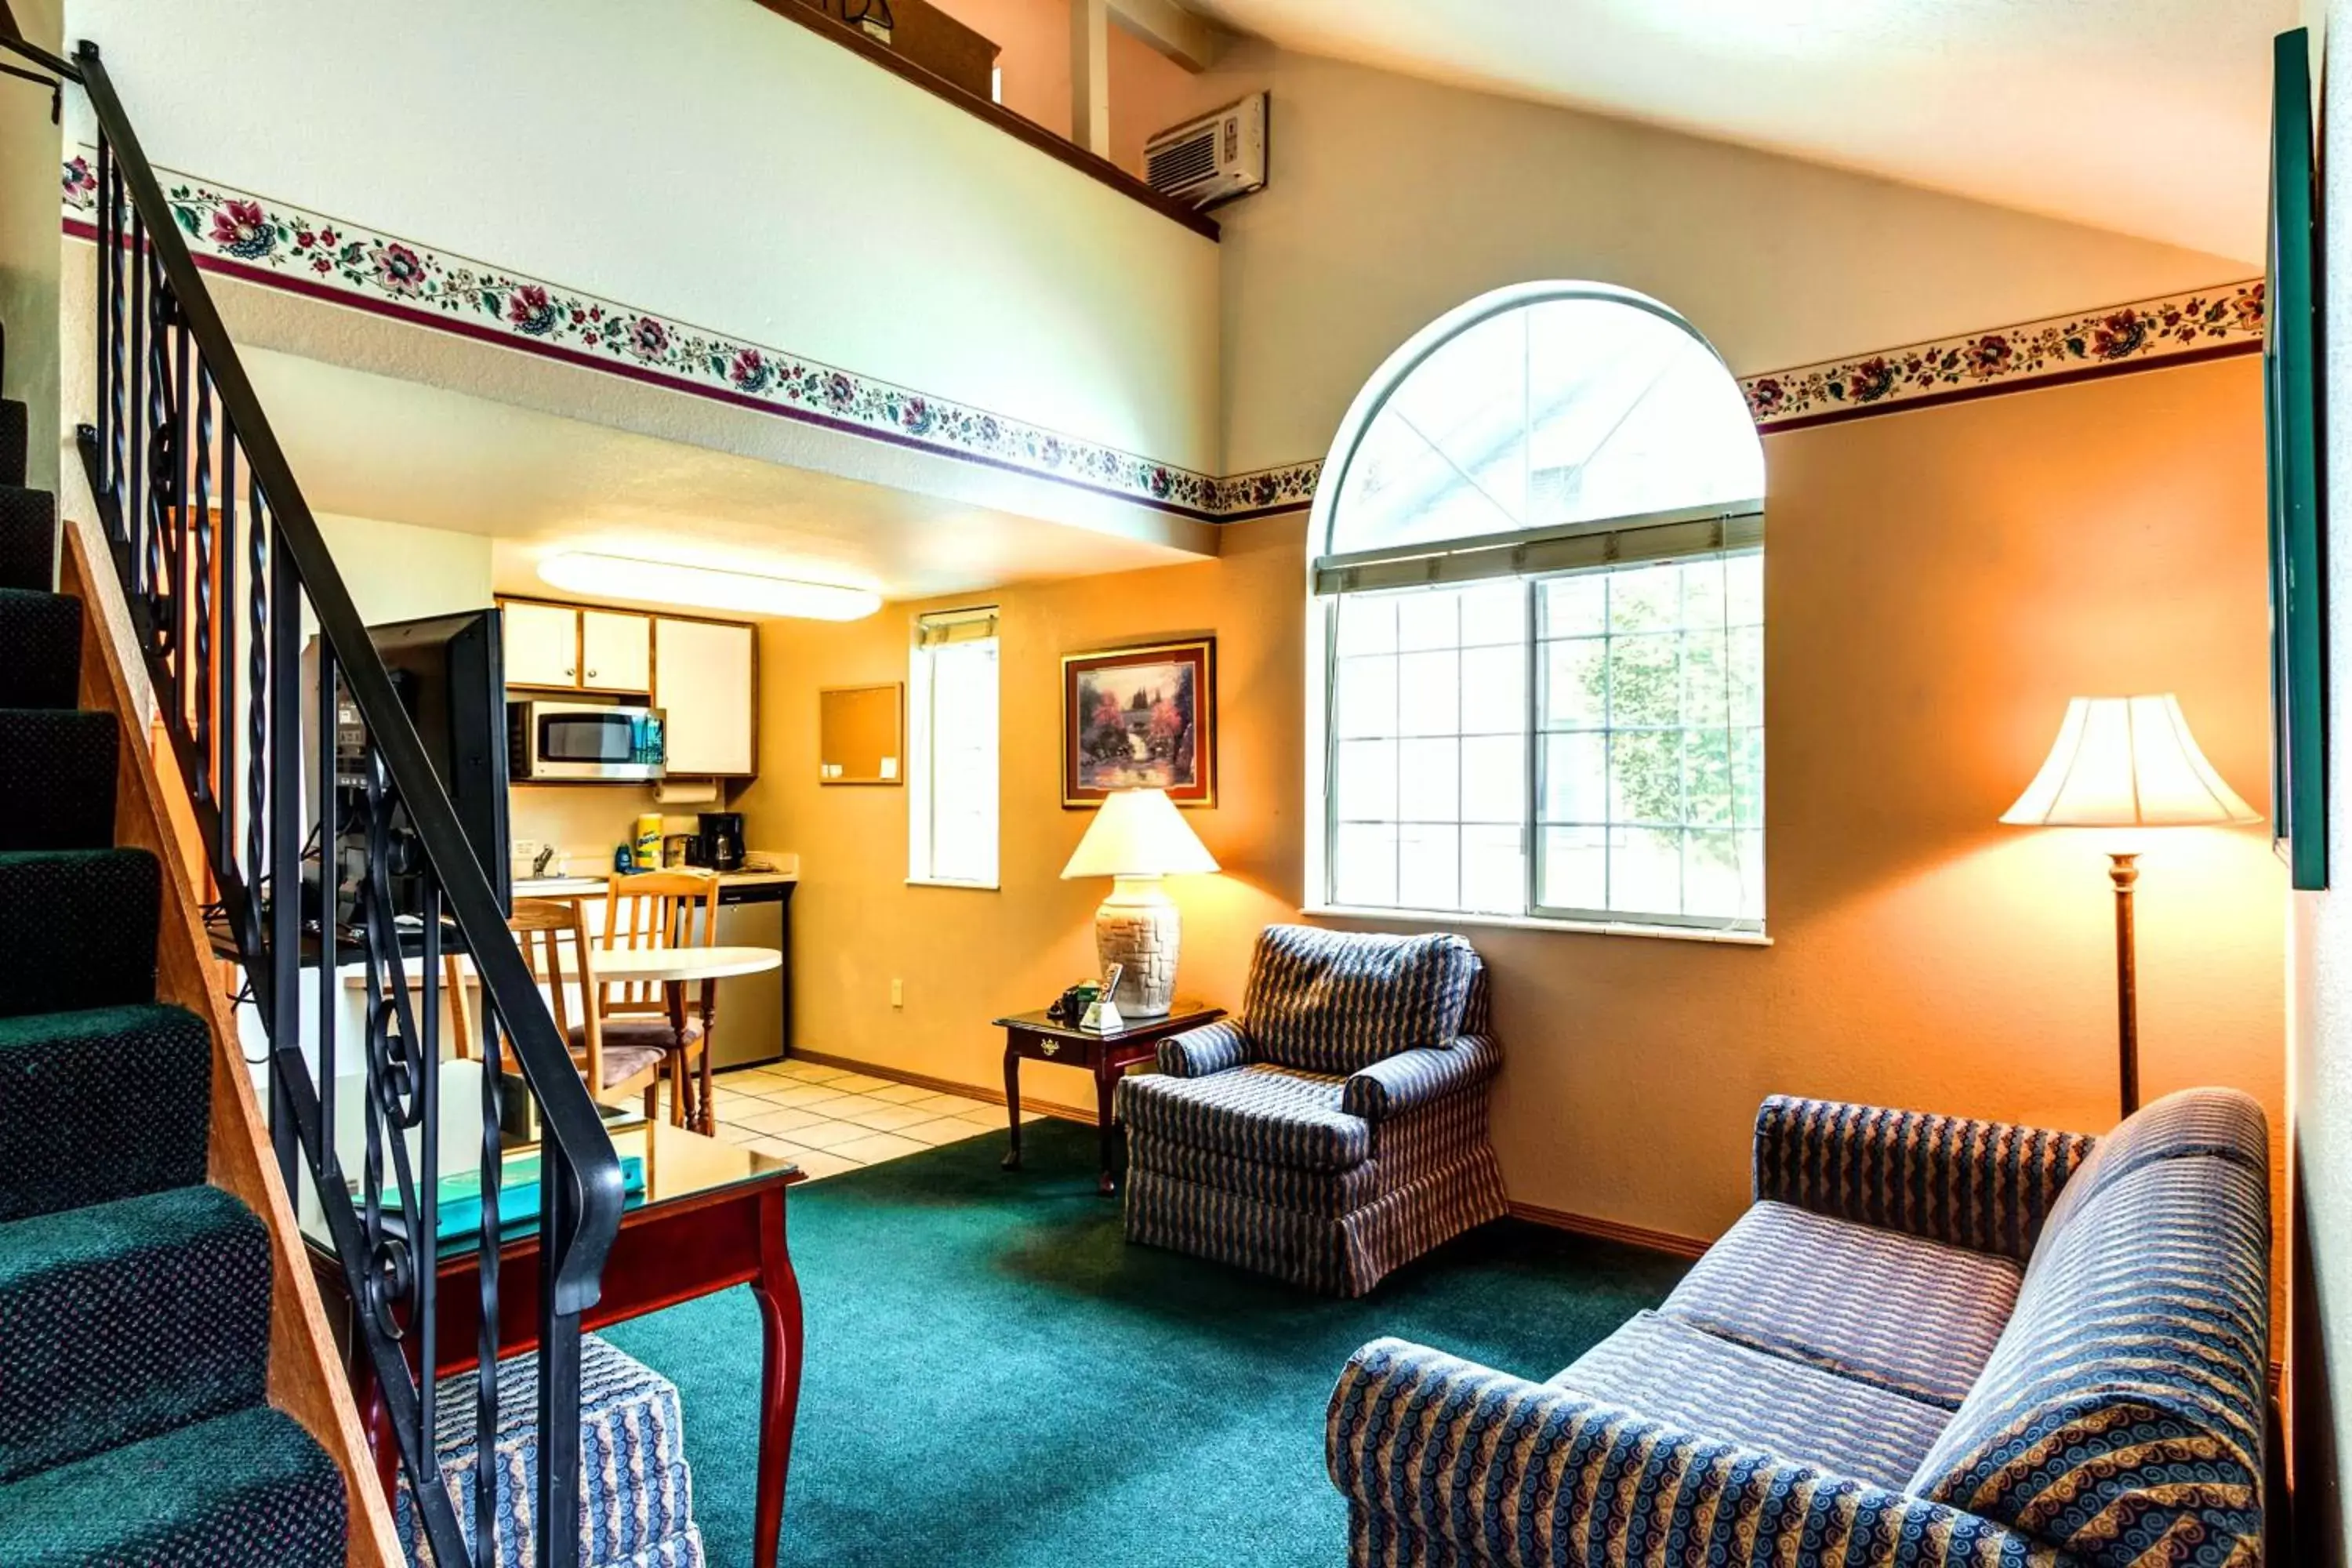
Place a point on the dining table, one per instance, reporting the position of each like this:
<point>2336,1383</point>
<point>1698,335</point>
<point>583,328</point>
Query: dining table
<point>677,968</point>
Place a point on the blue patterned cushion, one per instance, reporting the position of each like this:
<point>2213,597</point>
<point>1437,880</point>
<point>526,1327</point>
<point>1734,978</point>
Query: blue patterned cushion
<point>1916,1318</point>
<point>1412,1079</point>
<point>1673,1373</point>
<point>1329,1001</point>
<point>1984,1185</point>
<point>2194,1122</point>
<point>637,1500</point>
<point>1269,1114</point>
<point>2121,1414</point>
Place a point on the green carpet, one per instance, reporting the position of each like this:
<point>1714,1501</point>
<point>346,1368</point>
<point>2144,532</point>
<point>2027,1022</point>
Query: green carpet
<point>997,1380</point>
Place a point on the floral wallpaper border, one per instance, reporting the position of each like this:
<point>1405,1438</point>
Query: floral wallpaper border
<point>250,237</point>
<point>2210,323</point>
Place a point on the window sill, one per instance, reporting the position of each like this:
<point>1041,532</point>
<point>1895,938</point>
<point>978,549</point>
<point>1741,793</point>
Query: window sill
<point>946,882</point>
<point>1531,923</point>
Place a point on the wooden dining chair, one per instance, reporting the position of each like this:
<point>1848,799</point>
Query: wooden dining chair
<point>612,1069</point>
<point>656,910</point>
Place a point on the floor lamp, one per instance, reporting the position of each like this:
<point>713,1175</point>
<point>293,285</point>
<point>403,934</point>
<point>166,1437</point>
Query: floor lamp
<point>2126,763</point>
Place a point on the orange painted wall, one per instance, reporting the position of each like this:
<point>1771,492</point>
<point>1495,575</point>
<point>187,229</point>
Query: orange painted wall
<point>1937,584</point>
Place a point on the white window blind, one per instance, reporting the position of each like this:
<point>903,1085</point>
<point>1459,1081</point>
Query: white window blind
<point>951,797</point>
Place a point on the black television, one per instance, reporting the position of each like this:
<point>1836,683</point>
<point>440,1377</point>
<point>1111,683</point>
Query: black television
<point>449,672</point>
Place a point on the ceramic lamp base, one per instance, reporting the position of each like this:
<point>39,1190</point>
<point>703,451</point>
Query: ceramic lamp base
<point>1139,929</point>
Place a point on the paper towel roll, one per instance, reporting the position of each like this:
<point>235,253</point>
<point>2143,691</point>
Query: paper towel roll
<point>686,792</point>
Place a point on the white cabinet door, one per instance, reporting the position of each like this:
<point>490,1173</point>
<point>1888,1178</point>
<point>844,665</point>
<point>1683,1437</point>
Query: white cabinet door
<point>703,679</point>
<point>616,650</point>
<point>543,645</point>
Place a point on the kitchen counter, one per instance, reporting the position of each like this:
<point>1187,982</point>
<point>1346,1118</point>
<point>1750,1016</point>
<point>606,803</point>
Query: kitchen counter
<point>734,887</point>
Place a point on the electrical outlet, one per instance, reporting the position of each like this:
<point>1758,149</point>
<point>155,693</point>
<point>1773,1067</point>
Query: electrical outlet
<point>898,992</point>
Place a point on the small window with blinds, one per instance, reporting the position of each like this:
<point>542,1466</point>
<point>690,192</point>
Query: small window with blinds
<point>951,797</point>
<point>1539,600</point>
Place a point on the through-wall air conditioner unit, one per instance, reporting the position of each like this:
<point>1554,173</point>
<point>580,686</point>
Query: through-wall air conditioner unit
<point>1212,159</point>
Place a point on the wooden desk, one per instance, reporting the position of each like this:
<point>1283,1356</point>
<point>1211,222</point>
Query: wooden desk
<point>1040,1039</point>
<point>712,1217</point>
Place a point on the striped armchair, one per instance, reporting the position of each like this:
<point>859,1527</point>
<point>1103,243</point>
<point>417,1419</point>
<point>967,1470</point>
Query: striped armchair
<point>1931,1341</point>
<point>1339,1129</point>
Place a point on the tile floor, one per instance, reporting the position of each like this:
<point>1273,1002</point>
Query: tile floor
<point>828,1120</point>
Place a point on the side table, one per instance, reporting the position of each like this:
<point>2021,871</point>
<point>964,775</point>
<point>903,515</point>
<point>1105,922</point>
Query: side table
<point>1106,1056</point>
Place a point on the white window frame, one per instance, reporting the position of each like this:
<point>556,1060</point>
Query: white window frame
<point>933,634</point>
<point>1528,555</point>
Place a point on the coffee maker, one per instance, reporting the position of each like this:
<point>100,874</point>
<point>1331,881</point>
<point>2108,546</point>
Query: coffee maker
<point>719,844</point>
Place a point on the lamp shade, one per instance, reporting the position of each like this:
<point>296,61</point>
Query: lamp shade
<point>1138,833</point>
<point>2127,761</point>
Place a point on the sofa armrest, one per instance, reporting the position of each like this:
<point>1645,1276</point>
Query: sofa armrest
<point>1984,1185</point>
<point>1396,1084</point>
<point>1197,1053</point>
<point>1446,1462</point>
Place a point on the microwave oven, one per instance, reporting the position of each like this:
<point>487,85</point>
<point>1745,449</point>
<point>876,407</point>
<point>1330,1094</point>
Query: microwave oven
<point>560,742</point>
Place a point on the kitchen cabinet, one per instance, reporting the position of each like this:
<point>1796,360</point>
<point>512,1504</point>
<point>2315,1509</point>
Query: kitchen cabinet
<point>542,644</point>
<point>705,683</point>
<point>616,651</point>
<point>569,647</point>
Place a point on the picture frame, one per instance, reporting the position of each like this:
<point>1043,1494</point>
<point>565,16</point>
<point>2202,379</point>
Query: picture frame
<point>2298,579</point>
<point>1139,717</point>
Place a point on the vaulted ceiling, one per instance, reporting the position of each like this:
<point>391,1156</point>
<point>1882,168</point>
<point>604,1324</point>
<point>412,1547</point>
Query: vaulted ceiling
<point>2148,117</point>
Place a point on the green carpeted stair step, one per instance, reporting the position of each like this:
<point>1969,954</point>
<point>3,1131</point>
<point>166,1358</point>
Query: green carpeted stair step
<point>119,1322</point>
<point>40,648</point>
<point>77,929</point>
<point>248,1489</point>
<point>27,537</point>
<point>109,1103</point>
<point>56,778</point>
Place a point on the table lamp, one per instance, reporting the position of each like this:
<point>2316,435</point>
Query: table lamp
<point>2126,763</point>
<point>1136,838</point>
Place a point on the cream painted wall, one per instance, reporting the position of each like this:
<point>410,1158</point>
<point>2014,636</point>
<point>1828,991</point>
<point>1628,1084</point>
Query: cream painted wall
<point>398,572</point>
<point>2320,1016</point>
<point>1393,200</point>
<point>29,265</point>
<point>709,160</point>
<point>1937,584</point>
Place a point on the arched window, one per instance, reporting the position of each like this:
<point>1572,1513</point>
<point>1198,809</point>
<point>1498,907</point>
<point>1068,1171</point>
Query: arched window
<point>1536,616</point>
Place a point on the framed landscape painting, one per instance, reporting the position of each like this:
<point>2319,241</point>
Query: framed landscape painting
<point>1140,717</point>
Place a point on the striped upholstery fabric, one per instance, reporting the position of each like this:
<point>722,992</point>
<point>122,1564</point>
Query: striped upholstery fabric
<point>1444,1462</point>
<point>1256,1112</point>
<point>2121,1416</point>
<point>1329,1001</point>
<point>1328,1178</point>
<point>2230,1126</point>
<point>1984,1185</point>
<point>636,1507</point>
<point>1673,1373</point>
<point>1913,1317</point>
<point>2111,1402</point>
<point>1400,1082</point>
<point>1197,1053</point>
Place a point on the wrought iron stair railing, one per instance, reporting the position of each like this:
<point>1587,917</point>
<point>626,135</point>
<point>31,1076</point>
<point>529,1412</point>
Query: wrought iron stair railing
<point>219,557</point>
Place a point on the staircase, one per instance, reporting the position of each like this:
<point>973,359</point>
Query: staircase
<point>170,1392</point>
<point>135,1298</point>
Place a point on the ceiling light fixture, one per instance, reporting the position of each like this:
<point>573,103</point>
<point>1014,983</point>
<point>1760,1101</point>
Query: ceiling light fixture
<point>705,587</point>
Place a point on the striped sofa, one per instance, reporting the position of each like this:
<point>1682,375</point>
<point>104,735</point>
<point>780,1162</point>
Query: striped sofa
<point>1931,1341</point>
<point>1338,1129</point>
